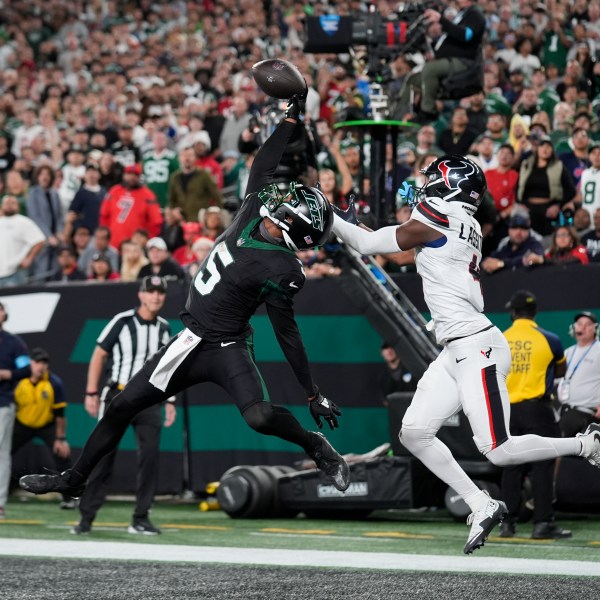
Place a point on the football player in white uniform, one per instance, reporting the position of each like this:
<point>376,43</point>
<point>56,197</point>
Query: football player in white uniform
<point>470,372</point>
<point>589,184</point>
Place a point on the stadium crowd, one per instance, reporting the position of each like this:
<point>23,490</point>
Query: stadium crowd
<point>127,130</point>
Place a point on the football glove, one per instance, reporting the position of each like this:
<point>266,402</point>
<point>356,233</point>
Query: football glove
<point>320,406</point>
<point>349,215</point>
<point>296,106</point>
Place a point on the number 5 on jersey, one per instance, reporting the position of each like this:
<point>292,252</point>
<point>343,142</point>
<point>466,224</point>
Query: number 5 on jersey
<point>209,276</point>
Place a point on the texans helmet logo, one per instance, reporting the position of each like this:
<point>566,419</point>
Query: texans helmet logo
<point>455,173</point>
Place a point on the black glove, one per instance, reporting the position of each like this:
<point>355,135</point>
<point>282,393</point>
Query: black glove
<point>349,215</point>
<point>296,106</point>
<point>320,406</point>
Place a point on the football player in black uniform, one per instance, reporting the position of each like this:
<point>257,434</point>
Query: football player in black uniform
<point>252,262</point>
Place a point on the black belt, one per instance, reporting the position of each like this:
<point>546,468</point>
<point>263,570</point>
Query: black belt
<point>460,337</point>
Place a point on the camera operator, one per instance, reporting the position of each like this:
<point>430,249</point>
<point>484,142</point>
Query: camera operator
<point>455,50</point>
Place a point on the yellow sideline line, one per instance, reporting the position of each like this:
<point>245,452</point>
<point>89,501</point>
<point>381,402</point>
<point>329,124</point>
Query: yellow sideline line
<point>182,526</point>
<point>299,531</point>
<point>399,534</point>
<point>519,540</point>
<point>21,522</point>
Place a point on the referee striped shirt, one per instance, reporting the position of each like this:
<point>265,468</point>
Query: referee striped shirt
<point>130,340</point>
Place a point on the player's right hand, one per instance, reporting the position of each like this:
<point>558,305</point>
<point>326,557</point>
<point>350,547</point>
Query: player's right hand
<point>349,215</point>
<point>296,106</point>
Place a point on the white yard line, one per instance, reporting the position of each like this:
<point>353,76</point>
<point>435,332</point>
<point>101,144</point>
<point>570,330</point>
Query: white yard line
<point>312,558</point>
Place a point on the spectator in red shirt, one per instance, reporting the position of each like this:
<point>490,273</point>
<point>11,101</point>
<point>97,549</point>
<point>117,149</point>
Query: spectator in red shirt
<point>201,145</point>
<point>185,255</point>
<point>565,248</point>
<point>502,181</point>
<point>129,206</point>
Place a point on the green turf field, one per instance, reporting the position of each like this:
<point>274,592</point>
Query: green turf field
<point>430,532</point>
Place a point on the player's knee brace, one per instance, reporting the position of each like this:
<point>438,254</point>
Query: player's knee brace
<point>260,417</point>
<point>415,439</point>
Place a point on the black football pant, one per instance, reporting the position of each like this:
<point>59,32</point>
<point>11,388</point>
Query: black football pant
<point>231,367</point>
<point>146,425</point>
<point>22,435</point>
<point>535,417</point>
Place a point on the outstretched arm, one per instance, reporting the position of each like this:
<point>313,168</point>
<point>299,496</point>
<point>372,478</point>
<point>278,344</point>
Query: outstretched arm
<point>386,240</point>
<point>268,157</point>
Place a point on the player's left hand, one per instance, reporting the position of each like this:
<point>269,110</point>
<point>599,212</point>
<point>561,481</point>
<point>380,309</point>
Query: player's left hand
<point>320,406</point>
<point>296,106</point>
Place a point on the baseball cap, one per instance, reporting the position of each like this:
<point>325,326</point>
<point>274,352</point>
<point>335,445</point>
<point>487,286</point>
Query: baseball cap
<point>40,355</point>
<point>135,169</point>
<point>100,256</point>
<point>519,221</point>
<point>522,299</point>
<point>156,242</point>
<point>153,282</point>
<point>585,313</point>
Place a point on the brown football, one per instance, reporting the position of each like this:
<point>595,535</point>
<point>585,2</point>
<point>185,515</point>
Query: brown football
<point>278,78</point>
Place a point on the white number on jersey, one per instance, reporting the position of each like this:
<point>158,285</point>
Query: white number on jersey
<point>222,253</point>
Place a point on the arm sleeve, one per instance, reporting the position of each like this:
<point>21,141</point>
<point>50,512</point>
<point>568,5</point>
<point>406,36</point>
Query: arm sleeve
<point>268,157</point>
<point>110,334</point>
<point>290,341</point>
<point>22,365</point>
<point>469,31</point>
<point>59,396</point>
<point>382,241</point>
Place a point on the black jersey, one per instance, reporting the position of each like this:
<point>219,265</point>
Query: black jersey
<point>243,270</point>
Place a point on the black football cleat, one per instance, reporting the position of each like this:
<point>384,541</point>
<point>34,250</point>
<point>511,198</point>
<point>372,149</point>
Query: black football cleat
<point>331,463</point>
<point>54,482</point>
<point>143,526</point>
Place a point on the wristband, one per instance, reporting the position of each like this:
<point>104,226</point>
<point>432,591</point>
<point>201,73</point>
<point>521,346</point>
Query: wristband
<point>91,393</point>
<point>61,439</point>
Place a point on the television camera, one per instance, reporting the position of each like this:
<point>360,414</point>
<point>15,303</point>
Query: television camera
<point>382,40</point>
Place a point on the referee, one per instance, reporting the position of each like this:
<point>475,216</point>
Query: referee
<point>129,339</point>
<point>537,359</point>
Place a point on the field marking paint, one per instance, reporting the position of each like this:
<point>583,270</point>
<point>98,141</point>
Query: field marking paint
<point>298,531</point>
<point>398,534</point>
<point>297,558</point>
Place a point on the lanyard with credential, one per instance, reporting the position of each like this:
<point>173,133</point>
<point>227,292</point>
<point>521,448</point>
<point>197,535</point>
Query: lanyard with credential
<point>579,361</point>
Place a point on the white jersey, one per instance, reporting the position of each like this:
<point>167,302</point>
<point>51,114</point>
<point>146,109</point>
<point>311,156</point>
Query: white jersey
<point>449,268</point>
<point>589,186</point>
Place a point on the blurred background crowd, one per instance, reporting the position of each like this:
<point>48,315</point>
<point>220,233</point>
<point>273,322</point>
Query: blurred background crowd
<point>127,130</point>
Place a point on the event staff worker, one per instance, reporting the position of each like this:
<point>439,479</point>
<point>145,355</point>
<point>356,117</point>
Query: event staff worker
<point>14,365</point>
<point>40,401</point>
<point>579,391</point>
<point>128,339</point>
<point>537,358</point>
<point>460,41</point>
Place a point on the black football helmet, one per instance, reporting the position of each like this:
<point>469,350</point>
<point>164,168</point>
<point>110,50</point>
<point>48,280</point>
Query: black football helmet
<point>304,215</point>
<point>454,178</point>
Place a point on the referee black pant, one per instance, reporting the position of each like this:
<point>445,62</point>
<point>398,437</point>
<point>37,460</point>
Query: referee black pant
<point>531,417</point>
<point>146,425</point>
